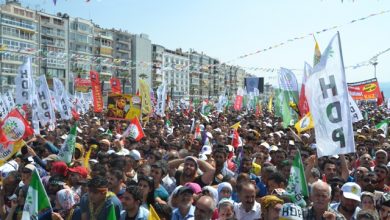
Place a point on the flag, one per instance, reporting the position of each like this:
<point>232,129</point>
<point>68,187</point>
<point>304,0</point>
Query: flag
<point>317,53</point>
<point>24,83</point>
<point>134,130</point>
<point>14,127</point>
<point>198,134</point>
<point>67,148</point>
<point>8,150</point>
<point>145,94</point>
<point>205,110</point>
<point>356,114</point>
<point>327,94</point>
<point>239,99</point>
<point>302,104</point>
<point>44,111</point>
<point>61,99</point>
<point>153,214</point>
<point>115,85</point>
<point>236,125</point>
<point>297,185</point>
<point>236,139</point>
<point>270,103</point>
<point>37,202</point>
<point>383,125</point>
<point>305,123</point>
<point>287,93</point>
<point>111,213</point>
<point>96,91</point>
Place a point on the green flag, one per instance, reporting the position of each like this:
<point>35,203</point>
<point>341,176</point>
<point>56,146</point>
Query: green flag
<point>37,202</point>
<point>67,149</point>
<point>383,125</point>
<point>286,93</point>
<point>297,185</point>
<point>111,213</point>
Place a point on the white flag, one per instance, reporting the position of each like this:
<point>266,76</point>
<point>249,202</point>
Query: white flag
<point>3,108</point>
<point>62,100</point>
<point>327,95</point>
<point>8,100</point>
<point>161,97</point>
<point>356,114</point>
<point>24,83</point>
<point>45,108</point>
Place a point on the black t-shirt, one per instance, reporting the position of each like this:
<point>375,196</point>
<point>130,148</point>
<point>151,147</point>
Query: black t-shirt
<point>197,179</point>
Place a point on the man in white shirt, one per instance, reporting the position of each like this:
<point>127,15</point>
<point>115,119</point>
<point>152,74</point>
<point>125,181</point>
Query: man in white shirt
<point>248,208</point>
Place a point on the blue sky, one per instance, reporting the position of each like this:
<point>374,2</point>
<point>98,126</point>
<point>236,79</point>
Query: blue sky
<point>227,29</point>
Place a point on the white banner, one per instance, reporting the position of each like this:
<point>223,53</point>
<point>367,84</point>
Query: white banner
<point>161,97</point>
<point>35,115</point>
<point>23,83</point>
<point>62,100</point>
<point>327,95</point>
<point>3,108</point>
<point>45,108</point>
<point>9,100</point>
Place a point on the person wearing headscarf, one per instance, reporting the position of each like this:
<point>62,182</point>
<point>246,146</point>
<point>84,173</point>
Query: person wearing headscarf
<point>270,207</point>
<point>225,190</point>
<point>65,205</point>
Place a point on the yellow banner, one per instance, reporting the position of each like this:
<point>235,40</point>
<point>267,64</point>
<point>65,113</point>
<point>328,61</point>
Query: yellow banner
<point>144,91</point>
<point>123,106</point>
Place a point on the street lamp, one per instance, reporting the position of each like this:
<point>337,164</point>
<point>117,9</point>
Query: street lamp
<point>374,62</point>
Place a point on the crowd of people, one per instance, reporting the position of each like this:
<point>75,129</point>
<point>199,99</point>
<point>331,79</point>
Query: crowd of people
<point>181,175</point>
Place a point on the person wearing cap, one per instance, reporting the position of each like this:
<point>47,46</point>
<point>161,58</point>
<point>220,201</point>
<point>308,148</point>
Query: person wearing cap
<point>381,157</point>
<point>248,208</point>
<point>270,207</point>
<point>382,172</point>
<point>384,206</point>
<point>27,171</point>
<point>97,203</point>
<point>204,208</point>
<point>131,202</point>
<point>189,172</point>
<point>76,175</point>
<point>185,209</point>
<point>350,199</point>
<point>220,155</point>
<point>104,145</point>
<point>320,196</point>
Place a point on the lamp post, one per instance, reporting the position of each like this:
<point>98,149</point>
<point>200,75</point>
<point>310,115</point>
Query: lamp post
<point>374,62</point>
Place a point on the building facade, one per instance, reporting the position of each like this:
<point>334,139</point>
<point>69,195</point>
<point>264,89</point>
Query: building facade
<point>157,71</point>
<point>122,58</point>
<point>175,73</point>
<point>141,56</point>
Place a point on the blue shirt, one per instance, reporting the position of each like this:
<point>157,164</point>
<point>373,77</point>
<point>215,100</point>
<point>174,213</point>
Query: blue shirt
<point>189,216</point>
<point>142,214</point>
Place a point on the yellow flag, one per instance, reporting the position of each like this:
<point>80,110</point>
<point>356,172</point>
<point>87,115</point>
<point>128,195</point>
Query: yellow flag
<point>6,152</point>
<point>144,92</point>
<point>305,123</point>
<point>270,103</point>
<point>317,53</point>
<point>236,125</point>
<point>88,155</point>
<point>153,214</point>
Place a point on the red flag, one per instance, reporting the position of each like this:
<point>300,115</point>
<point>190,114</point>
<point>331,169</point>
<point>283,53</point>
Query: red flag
<point>236,139</point>
<point>380,98</point>
<point>115,86</point>
<point>238,103</point>
<point>303,105</point>
<point>75,115</point>
<point>198,134</point>
<point>14,127</point>
<point>134,130</point>
<point>96,92</point>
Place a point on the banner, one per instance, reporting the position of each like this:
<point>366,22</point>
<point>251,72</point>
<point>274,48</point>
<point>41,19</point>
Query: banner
<point>23,83</point>
<point>45,109</point>
<point>327,94</point>
<point>115,85</point>
<point>356,114</point>
<point>6,152</point>
<point>144,91</point>
<point>82,85</point>
<point>3,108</point>
<point>8,100</point>
<point>287,93</point>
<point>61,99</point>
<point>14,127</point>
<point>96,91</point>
<point>161,97</point>
<point>123,106</point>
<point>365,90</point>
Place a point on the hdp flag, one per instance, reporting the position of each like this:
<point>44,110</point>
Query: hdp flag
<point>287,93</point>
<point>297,185</point>
<point>68,147</point>
<point>37,202</point>
<point>24,83</point>
<point>317,53</point>
<point>134,130</point>
<point>305,123</point>
<point>14,127</point>
<point>327,94</point>
<point>383,125</point>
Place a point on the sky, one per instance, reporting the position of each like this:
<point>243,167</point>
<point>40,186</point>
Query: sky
<point>227,29</point>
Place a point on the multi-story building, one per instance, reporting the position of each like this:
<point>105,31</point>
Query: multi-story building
<point>81,44</point>
<point>53,43</point>
<point>103,55</point>
<point>157,71</point>
<point>19,31</point>
<point>175,73</point>
<point>141,56</point>
<point>122,58</point>
<point>194,74</point>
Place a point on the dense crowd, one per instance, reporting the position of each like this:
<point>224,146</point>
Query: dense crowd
<point>185,176</point>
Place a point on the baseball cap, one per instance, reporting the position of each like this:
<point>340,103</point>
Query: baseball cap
<point>194,187</point>
<point>30,167</point>
<point>135,155</point>
<point>80,170</point>
<point>290,211</point>
<point>351,191</point>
